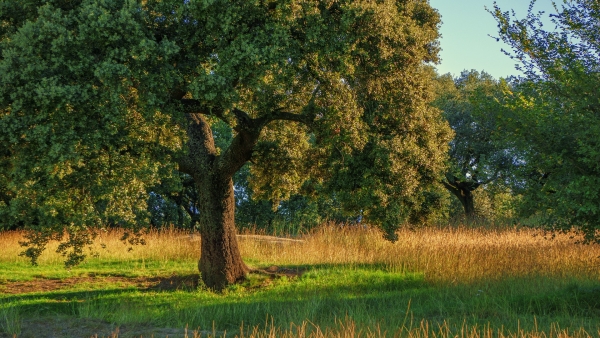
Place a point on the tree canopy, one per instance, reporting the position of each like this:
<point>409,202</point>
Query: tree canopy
<point>103,100</point>
<point>472,105</point>
<point>555,113</point>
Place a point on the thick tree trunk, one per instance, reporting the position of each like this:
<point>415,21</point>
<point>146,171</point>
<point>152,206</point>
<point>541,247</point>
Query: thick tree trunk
<point>220,260</point>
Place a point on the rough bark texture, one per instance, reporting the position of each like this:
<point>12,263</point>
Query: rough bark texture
<point>220,262</point>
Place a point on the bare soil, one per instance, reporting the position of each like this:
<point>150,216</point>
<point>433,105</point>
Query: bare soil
<point>277,271</point>
<point>168,283</point>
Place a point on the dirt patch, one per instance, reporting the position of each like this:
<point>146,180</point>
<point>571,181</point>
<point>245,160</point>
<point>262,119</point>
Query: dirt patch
<point>160,283</point>
<point>163,283</point>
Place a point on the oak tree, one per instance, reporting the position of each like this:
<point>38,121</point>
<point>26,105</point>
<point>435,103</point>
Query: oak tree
<point>103,100</point>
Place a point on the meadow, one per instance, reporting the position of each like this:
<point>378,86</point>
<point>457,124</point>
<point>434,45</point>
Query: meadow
<point>331,282</point>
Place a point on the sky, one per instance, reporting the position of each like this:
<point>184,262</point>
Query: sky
<point>466,27</point>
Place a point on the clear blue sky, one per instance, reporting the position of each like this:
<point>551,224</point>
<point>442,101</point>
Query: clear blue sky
<point>465,42</point>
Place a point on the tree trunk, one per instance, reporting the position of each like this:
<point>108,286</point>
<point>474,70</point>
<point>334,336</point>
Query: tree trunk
<point>464,192</point>
<point>220,260</point>
<point>466,199</point>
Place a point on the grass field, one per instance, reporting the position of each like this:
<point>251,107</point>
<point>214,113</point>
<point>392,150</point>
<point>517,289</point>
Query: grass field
<point>333,282</point>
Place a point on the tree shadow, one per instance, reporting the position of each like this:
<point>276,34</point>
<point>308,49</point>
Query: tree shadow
<point>58,289</point>
<point>320,293</point>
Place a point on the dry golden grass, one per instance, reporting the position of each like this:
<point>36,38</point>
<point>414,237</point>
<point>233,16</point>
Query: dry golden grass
<point>162,245</point>
<point>442,254</point>
<point>348,329</point>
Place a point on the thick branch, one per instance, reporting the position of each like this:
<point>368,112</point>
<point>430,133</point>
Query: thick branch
<point>307,117</point>
<point>287,116</point>
<point>192,106</point>
<point>453,189</point>
<point>240,150</point>
<point>460,185</point>
<point>248,131</point>
<point>464,195</point>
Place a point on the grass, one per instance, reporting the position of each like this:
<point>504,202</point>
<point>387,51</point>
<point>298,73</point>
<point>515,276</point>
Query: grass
<point>432,282</point>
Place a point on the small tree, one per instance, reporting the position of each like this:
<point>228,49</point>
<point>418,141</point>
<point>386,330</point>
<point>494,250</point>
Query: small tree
<point>102,100</point>
<point>555,112</point>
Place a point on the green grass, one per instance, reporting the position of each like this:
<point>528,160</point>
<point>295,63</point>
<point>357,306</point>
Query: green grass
<point>323,295</point>
<point>445,282</point>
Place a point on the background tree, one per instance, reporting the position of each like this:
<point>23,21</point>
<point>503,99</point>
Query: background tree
<point>103,100</point>
<point>478,157</point>
<point>555,113</point>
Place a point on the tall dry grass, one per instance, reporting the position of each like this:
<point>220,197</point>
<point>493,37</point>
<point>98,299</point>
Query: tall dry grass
<point>442,254</point>
<point>162,245</point>
<point>423,329</point>
<point>348,329</point>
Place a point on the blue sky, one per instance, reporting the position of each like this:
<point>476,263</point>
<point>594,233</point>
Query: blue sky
<point>465,42</point>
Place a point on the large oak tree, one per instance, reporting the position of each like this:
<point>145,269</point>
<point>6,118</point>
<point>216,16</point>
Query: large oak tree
<point>102,100</point>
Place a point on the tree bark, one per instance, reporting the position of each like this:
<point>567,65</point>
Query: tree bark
<point>220,260</point>
<point>466,199</point>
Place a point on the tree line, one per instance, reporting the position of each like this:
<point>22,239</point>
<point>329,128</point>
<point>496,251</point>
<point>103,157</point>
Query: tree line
<point>269,113</point>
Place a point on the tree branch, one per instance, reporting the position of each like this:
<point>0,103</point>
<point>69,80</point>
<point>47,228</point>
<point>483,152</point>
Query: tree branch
<point>192,106</point>
<point>453,189</point>
<point>286,116</point>
<point>248,132</point>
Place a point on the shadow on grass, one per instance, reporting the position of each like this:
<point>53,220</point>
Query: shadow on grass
<point>370,294</point>
<point>57,289</point>
<point>323,281</point>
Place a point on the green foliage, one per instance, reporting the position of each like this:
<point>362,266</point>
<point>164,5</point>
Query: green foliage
<point>82,141</point>
<point>479,154</point>
<point>174,203</point>
<point>554,114</point>
<point>92,109</point>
